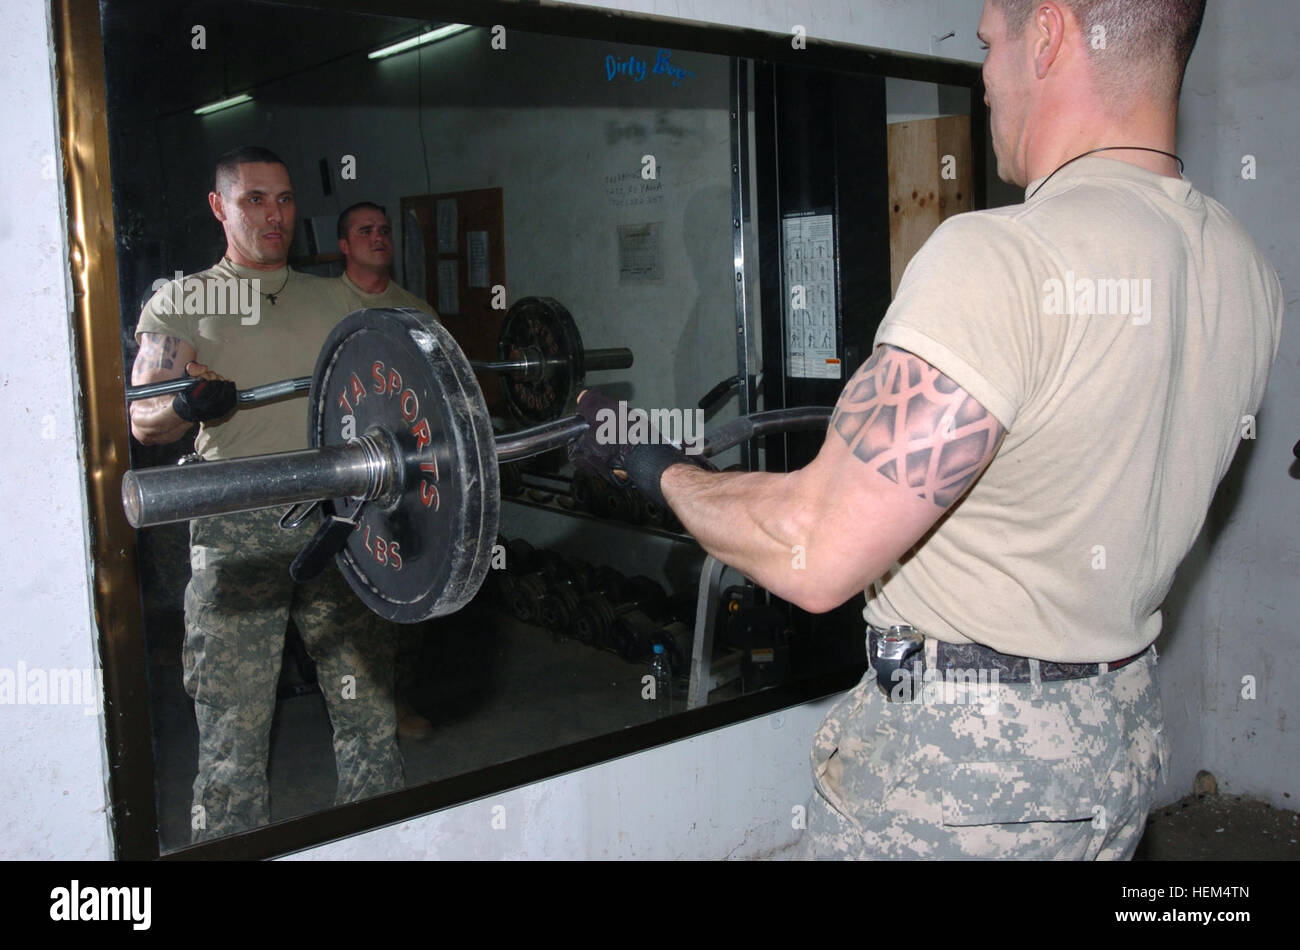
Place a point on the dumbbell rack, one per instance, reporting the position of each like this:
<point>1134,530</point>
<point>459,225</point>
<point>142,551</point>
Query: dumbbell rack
<point>538,482</point>
<point>616,601</point>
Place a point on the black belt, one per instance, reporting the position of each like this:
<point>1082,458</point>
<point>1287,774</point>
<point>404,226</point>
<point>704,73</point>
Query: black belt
<point>903,649</point>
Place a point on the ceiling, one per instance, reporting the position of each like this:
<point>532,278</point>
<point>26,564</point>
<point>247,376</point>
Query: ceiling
<point>153,68</point>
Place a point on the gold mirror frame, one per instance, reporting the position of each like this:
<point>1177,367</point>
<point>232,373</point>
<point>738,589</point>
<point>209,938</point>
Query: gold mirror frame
<point>92,259</point>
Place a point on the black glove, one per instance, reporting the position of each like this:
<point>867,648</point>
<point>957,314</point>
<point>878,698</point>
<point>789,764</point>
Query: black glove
<point>605,459</point>
<point>643,464</point>
<point>205,400</point>
<point>646,465</point>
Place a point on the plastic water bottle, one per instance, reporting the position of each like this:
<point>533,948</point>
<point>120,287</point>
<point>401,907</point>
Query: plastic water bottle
<point>661,669</point>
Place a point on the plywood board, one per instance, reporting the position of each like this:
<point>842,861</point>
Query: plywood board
<point>920,196</point>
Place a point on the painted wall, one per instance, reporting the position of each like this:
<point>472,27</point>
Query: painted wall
<point>566,147</point>
<point>52,794</point>
<point>1236,597</point>
<point>727,793</point>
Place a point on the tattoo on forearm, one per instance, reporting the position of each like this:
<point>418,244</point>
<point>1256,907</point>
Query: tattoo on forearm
<point>915,426</point>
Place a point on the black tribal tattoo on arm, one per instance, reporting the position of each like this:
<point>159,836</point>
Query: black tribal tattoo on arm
<point>915,426</point>
<point>157,351</point>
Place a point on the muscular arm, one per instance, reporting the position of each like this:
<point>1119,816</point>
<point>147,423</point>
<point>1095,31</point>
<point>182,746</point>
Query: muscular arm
<point>904,445</point>
<point>160,358</point>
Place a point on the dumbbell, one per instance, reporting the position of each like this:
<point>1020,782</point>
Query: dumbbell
<point>634,634</point>
<point>555,566</point>
<point>595,586</point>
<point>549,594</point>
<point>584,575</point>
<point>677,638</point>
<point>557,609</point>
<point>597,614</point>
<point>524,594</point>
<point>568,579</point>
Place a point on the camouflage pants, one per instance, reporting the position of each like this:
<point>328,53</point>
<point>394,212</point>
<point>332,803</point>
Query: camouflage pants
<point>1058,770</point>
<point>237,605</point>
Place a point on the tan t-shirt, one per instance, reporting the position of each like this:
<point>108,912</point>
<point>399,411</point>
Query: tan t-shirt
<point>242,336</point>
<point>391,296</point>
<point>1120,325</point>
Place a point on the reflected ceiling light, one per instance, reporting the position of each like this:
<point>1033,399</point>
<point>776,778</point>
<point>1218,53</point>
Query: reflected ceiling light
<point>223,104</point>
<point>441,33</point>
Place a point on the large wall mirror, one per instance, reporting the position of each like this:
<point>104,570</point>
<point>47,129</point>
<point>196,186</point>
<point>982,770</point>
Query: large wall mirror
<point>667,187</point>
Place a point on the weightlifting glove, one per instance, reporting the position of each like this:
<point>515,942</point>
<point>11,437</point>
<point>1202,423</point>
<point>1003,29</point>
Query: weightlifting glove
<point>643,464</point>
<point>206,399</point>
<point>607,459</point>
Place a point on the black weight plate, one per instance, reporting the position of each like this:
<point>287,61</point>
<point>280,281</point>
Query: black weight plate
<point>488,469</point>
<point>425,552</point>
<point>541,325</point>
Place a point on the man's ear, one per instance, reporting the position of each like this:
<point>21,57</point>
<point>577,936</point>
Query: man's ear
<point>1049,33</point>
<point>217,206</point>
<point>343,247</point>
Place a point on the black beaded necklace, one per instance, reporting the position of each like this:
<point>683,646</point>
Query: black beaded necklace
<point>1111,148</point>
<point>279,290</point>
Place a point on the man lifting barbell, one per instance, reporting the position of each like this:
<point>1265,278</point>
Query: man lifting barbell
<point>240,595</point>
<point>1017,471</point>
<point>1014,480</point>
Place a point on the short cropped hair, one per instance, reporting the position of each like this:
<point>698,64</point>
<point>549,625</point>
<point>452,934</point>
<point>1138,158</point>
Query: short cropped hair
<point>345,219</point>
<point>227,169</point>
<point>1149,40</point>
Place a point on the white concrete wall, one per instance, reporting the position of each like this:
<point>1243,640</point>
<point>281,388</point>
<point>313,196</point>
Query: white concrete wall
<point>732,794</point>
<point>52,794</point>
<point>484,115</point>
<point>728,793</point>
<point>1238,592</point>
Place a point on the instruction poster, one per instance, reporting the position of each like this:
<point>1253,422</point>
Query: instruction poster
<point>640,254</point>
<point>808,249</point>
<point>448,239</point>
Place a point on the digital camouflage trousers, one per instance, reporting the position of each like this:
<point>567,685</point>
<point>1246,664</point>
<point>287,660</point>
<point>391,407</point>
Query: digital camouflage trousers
<point>1040,770</point>
<point>237,607</point>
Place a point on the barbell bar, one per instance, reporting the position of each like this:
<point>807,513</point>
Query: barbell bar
<point>540,347</point>
<point>530,366</point>
<point>244,398</point>
<point>404,462</point>
<point>367,469</point>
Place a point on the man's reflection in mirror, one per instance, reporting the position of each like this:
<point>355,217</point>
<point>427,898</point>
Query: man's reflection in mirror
<point>247,320</point>
<point>366,242</point>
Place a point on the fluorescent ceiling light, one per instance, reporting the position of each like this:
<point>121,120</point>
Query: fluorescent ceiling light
<point>223,104</point>
<point>441,33</point>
